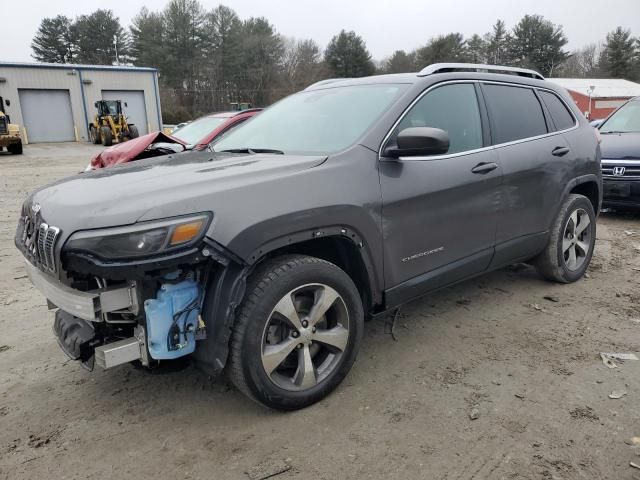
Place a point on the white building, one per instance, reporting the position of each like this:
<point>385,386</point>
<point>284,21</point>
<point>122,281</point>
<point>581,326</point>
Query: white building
<point>55,102</point>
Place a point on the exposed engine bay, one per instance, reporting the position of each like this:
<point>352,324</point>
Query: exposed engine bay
<point>166,328</point>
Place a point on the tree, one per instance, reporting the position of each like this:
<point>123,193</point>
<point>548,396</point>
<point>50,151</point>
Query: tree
<point>147,39</point>
<point>443,48</point>
<point>583,63</point>
<point>53,42</point>
<point>98,35</point>
<point>262,50</point>
<point>302,64</point>
<point>347,56</point>
<point>497,44</point>
<point>399,62</point>
<point>619,55</point>
<point>477,49</point>
<point>183,42</point>
<point>537,43</point>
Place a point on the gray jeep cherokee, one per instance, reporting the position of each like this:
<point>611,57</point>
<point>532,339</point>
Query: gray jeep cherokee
<point>263,256</point>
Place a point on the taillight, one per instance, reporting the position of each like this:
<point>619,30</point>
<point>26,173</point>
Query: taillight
<point>598,137</point>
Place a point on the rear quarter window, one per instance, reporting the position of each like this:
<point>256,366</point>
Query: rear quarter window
<point>561,116</point>
<point>515,113</point>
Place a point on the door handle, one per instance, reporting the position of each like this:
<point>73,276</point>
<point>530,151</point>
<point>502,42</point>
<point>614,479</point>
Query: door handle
<point>484,167</point>
<point>560,151</point>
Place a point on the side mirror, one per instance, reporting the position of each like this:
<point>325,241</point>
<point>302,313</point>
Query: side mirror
<point>596,123</point>
<point>125,104</point>
<point>7,103</point>
<point>419,141</point>
<point>95,104</point>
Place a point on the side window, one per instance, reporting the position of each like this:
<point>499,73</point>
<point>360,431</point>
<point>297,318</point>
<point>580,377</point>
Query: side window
<point>453,108</point>
<point>561,116</point>
<point>515,113</point>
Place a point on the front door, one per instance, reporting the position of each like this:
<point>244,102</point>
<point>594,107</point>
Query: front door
<point>439,213</point>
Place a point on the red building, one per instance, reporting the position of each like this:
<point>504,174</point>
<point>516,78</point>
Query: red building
<point>598,97</point>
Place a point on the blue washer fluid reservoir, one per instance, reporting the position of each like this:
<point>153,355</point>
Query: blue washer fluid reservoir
<point>172,320</point>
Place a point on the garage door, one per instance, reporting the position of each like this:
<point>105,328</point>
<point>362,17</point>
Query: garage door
<point>135,110</point>
<point>47,115</point>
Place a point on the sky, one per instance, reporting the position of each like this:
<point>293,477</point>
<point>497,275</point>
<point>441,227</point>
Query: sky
<point>385,25</point>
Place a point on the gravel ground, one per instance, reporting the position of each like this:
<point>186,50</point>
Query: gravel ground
<point>519,355</point>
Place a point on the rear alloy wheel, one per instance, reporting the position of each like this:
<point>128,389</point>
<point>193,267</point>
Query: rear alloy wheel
<point>570,248</point>
<point>297,334</point>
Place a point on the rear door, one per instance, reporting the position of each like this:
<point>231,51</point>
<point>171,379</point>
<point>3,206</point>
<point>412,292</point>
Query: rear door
<point>534,158</point>
<point>439,212</point>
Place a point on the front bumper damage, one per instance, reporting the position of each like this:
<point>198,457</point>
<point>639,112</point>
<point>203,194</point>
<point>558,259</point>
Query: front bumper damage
<point>112,322</point>
<point>86,305</point>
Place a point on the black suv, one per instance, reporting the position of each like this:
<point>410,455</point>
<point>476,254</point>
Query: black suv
<point>341,202</point>
<point>621,156</point>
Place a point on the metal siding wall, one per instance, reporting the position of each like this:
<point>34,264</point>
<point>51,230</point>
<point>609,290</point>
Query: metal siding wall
<point>107,80</point>
<point>66,79</point>
<point>40,78</point>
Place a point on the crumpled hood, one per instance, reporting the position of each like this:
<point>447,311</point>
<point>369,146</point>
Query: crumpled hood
<point>620,146</point>
<point>157,188</point>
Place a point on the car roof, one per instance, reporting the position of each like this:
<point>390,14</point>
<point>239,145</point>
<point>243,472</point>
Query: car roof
<point>436,68</point>
<point>231,114</point>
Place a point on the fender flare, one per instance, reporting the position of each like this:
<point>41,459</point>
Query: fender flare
<point>227,286</point>
<point>573,183</point>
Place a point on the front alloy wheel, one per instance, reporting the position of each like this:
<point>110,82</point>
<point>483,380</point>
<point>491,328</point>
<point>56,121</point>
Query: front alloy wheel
<point>297,332</point>
<point>305,337</point>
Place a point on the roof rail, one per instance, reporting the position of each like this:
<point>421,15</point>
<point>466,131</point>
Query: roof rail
<point>325,82</point>
<point>476,67</point>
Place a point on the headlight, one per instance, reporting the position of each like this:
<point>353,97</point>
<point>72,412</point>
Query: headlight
<point>140,240</point>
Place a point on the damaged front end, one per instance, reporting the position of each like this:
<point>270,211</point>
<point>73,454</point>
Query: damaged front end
<point>138,293</point>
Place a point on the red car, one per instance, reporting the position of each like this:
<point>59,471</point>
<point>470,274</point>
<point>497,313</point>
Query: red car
<point>196,135</point>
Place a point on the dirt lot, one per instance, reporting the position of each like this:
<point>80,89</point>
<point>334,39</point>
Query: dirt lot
<point>520,353</point>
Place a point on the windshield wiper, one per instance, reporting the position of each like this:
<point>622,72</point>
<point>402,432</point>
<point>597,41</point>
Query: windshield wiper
<point>614,131</point>
<point>253,151</point>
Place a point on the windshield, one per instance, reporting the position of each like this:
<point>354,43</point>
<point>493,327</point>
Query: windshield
<point>192,133</point>
<point>321,121</point>
<point>625,120</point>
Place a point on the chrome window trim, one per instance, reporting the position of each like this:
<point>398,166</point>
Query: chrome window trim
<point>477,150</point>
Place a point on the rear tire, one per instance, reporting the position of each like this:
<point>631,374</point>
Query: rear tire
<point>133,132</point>
<point>573,237</point>
<point>283,366</point>
<point>107,138</point>
<point>15,148</point>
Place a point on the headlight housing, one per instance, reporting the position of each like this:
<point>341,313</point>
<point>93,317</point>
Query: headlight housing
<point>140,240</point>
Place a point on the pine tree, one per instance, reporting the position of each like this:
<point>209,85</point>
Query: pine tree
<point>476,49</point>
<point>537,43</point>
<point>444,48</point>
<point>619,56</point>
<point>147,39</point>
<point>347,56</point>
<point>99,35</point>
<point>497,44</point>
<point>400,62</point>
<point>53,42</point>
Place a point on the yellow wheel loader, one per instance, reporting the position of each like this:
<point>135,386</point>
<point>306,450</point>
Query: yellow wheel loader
<point>110,124</point>
<point>9,132</point>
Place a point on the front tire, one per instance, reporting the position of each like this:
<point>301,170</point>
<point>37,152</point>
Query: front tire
<point>15,148</point>
<point>106,137</point>
<point>573,237</point>
<point>133,132</point>
<point>297,333</point>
